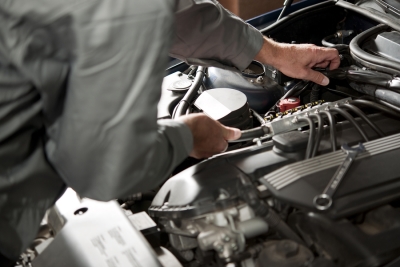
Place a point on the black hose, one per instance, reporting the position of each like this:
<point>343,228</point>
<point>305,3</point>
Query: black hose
<point>184,104</point>
<point>352,121</point>
<point>319,133</point>
<point>299,92</point>
<point>311,136</point>
<point>325,40</point>
<point>251,134</point>
<point>332,124</point>
<point>340,35</point>
<point>258,117</point>
<point>314,96</point>
<point>355,74</point>
<point>374,105</point>
<point>387,95</point>
<point>370,13</point>
<point>369,60</point>
<point>364,117</point>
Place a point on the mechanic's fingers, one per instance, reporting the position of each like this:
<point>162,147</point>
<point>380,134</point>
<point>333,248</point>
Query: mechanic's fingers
<point>226,147</point>
<point>231,133</point>
<point>317,77</point>
<point>322,64</point>
<point>334,59</point>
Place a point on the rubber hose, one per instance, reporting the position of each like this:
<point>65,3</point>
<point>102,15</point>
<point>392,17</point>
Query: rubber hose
<point>311,136</point>
<point>251,134</point>
<point>314,96</point>
<point>368,60</point>
<point>386,95</point>
<point>371,13</point>
<point>325,41</point>
<point>364,117</point>
<point>319,133</point>
<point>352,121</point>
<point>332,125</point>
<point>184,104</point>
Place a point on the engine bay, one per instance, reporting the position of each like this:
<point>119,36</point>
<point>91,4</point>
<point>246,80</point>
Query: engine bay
<point>314,179</point>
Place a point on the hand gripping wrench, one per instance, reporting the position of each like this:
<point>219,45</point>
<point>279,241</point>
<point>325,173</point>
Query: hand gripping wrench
<point>324,201</point>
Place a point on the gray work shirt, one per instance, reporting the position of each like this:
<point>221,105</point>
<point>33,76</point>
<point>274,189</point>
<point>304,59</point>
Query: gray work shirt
<point>79,86</point>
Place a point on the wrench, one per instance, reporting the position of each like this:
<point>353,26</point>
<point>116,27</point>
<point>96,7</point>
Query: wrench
<point>324,201</point>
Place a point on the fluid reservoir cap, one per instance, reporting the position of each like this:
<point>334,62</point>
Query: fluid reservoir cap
<point>181,85</point>
<point>222,103</point>
<point>289,103</point>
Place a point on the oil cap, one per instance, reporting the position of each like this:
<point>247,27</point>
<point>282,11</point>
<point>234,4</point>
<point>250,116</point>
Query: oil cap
<point>289,103</point>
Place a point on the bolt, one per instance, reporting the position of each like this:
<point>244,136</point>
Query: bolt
<point>260,79</point>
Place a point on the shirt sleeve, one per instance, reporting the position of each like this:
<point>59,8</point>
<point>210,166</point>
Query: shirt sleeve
<point>207,34</point>
<point>108,142</point>
<point>109,56</point>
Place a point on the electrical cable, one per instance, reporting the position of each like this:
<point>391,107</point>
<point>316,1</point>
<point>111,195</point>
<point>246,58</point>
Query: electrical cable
<point>340,92</point>
<point>311,136</point>
<point>374,105</point>
<point>389,105</point>
<point>364,117</point>
<point>332,125</point>
<point>258,117</point>
<point>289,93</point>
<point>319,133</point>
<point>352,121</point>
<point>286,5</point>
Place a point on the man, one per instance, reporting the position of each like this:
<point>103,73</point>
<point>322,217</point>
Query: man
<point>79,85</point>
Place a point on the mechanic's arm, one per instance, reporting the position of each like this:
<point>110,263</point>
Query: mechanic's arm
<point>108,142</point>
<point>208,35</point>
<point>297,61</point>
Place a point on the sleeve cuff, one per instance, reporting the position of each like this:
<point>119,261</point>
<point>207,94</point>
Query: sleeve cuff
<point>180,136</point>
<point>253,46</point>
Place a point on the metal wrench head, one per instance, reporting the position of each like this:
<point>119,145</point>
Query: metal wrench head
<point>324,201</point>
<point>348,149</point>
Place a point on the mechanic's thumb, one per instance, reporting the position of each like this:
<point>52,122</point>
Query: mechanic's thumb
<point>317,77</point>
<point>231,133</point>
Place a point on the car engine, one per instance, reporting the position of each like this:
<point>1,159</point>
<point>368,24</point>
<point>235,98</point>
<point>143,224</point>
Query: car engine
<point>267,202</point>
<point>314,179</point>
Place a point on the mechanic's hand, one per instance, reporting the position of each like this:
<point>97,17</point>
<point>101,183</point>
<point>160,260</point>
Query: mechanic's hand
<point>297,60</point>
<point>209,136</point>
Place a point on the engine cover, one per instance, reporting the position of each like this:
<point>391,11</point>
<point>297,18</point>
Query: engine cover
<point>373,179</point>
